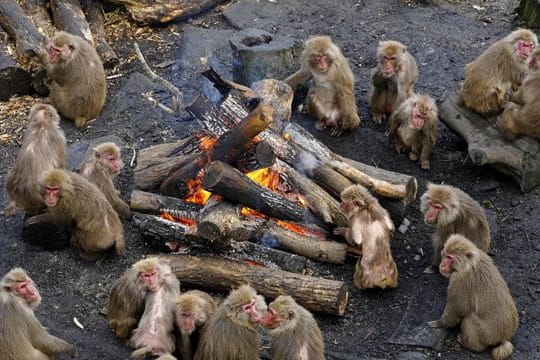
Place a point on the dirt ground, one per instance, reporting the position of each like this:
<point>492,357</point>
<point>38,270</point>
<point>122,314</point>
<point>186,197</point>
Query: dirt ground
<point>443,36</point>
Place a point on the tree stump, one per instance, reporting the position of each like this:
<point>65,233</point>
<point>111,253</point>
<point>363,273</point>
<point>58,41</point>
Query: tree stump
<point>519,159</point>
<point>258,55</point>
<point>529,11</point>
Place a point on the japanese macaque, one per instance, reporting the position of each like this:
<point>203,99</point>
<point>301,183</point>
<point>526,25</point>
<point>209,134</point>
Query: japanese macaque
<point>154,334</point>
<point>331,97</point>
<point>497,72</point>
<point>392,80</point>
<point>193,309</point>
<point>478,299</point>
<point>78,84</point>
<point>72,199</point>
<point>294,333</point>
<point>452,211</point>
<point>413,127</point>
<point>231,332</point>
<point>22,337</point>
<point>101,169</point>
<point>43,148</point>
<point>370,228</point>
<point>126,302</point>
<point>521,117</point>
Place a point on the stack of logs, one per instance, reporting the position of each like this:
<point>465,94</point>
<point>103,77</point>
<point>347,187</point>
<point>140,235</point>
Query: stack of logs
<point>240,135</point>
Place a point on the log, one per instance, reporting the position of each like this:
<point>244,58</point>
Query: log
<point>146,202</point>
<point>21,29</point>
<point>94,14</point>
<point>14,80</point>
<point>270,233</point>
<point>222,223</point>
<point>164,235</point>
<point>529,12</point>
<point>518,159</point>
<point>221,178</point>
<point>315,294</point>
<point>37,10</point>
<point>247,251</point>
<point>162,11</point>
<point>68,16</point>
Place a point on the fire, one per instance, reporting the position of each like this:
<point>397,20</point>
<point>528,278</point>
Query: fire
<point>206,142</point>
<point>197,195</point>
<point>299,229</point>
<point>265,177</point>
<point>187,222</point>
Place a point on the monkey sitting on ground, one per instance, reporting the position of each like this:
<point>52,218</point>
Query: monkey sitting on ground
<point>413,127</point>
<point>452,211</point>
<point>101,169</point>
<point>231,332</point>
<point>22,337</point>
<point>392,80</point>
<point>193,309</point>
<point>331,98</point>
<point>43,148</point>
<point>370,228</point>
<point>478,299</point>
<point>78,84</point>
<point>497,72</point>
<point>126,301</point>
<point>71,199</point>
<point>294,333</point>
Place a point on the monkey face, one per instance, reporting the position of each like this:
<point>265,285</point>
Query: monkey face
<point>271,319</point>
<point>432,213</point>
<point>112,163</point>
<point>524,49</point>
<point>186,321</point>
<point>252,312</point>
<point>445,267</point>
<point>28,292</point>
<point>150,280</point>
<point>319,62</point>
<point>389,64</point>
<point>56,52</point>
<point>51,195</point>
<point>419,116</point>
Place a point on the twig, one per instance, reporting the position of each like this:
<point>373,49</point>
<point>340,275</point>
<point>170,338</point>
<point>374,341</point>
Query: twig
<point>177,101</point>
<point>133,158</point>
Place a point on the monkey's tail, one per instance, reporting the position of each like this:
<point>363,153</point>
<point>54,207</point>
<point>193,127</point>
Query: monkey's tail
<point>502,351</point>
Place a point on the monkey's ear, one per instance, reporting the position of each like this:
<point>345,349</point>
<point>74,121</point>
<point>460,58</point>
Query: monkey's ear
<point>469,255</point>
<point>291,314</point>
<point>96,153</point>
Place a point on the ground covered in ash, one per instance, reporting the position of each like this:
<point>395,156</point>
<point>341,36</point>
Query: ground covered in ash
<point>443,36</point>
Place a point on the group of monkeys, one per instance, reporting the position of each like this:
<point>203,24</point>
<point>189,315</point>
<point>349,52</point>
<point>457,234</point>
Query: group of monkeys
<point>146,305</point>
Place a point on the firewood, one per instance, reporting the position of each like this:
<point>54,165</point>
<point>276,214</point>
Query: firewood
<point>272,258</point>
<point>315,294</point>
<point>222,223</point>
<point>94,14</point>
<point>14,80</point>
<point>37,10</point>
<point>157,204</point>
<point>163,234</point>
<point>21,29</point>
<point>68,16</point>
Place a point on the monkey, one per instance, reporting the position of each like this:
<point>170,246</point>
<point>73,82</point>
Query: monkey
<point>127,298</point>
<point>413,127</point>
<point>478,299</point>
<point>294,333</point>
<point>22,337</point>
<point>521,116</point>
<point>193,309</point>
<point>497,72</point>
<point>452,211</point>
<point>101,169</point>
<point>72,199</point>
<point>43,148</point>
<point>370,228</point>
<point>392,80</point>
<point>331,100</point>
<point>78,83</point>
<point>154,333</point>
<point>231,332</point>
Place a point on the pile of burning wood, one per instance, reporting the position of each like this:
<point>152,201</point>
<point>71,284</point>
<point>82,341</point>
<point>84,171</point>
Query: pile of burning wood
<point>250,186</point>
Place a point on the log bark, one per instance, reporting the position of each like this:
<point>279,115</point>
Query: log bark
<point>221,224</point>
<point>247,251</point>
<point>68,16</point>
<point>21,29</point>
<point>146,202</point>
<point>14,80</point>
<point>94,14</point>
<point>37,10</point>
<point>221,178</point>
<point>315,294</point>
<point>164,235</point>
<point>529,12</point>
<point>519,159</point>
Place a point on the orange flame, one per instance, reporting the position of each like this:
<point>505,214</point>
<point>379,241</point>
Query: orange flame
<point>265,177</point>
<point>287,136</point>
<point>197,195</point>
<point>187,222</point>
<point>206,142</point>
<point>302,230</point>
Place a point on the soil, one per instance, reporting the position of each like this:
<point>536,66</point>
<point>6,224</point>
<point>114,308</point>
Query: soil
<point>443,36</point>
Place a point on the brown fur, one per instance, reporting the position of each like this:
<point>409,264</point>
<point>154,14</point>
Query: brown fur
<point>478,299</point>
<point>97,172</point>
<point>154,333</point>
<point>495,73</point>
<point>420,142</point>
<point>370,228</point>
<point>461,215</point>
<point>197,306</point>
<point>230,333</point>
<point>331,98</point>
<point>294,333</point>
<point>79,85</point>
<point>388,91</point>
<point>22,337</point>
<point>43,148</point>
<point>97,226</point>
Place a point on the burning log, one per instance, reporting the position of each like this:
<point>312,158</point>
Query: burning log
<point>68,16</point>
<point>157,204</point>
<point>94,14</point>
<point>315,294</point>
<point>220,222</point>
<point>163,234</point>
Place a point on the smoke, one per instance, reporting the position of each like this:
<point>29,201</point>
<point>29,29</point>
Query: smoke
<point>270,241</point>
<point>307,162</point>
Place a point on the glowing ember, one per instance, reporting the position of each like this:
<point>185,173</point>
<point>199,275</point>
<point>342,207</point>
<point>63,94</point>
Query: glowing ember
<point>197,195</point>
<point>299,229</point>
<point>250,212</point>
<point>188,222</point>
<point>287,136</point>
<point>206,142</point>
<point>265,177</point>
<point>252,263</point>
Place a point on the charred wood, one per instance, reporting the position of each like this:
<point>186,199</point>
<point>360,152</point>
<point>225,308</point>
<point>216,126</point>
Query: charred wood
<point>94,14</point>
<point>146,202</point>
<point>68,16</point>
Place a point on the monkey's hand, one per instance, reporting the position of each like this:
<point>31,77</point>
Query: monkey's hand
<point>340,230</point>
<point>40,52</point>
<point>435,324</point>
